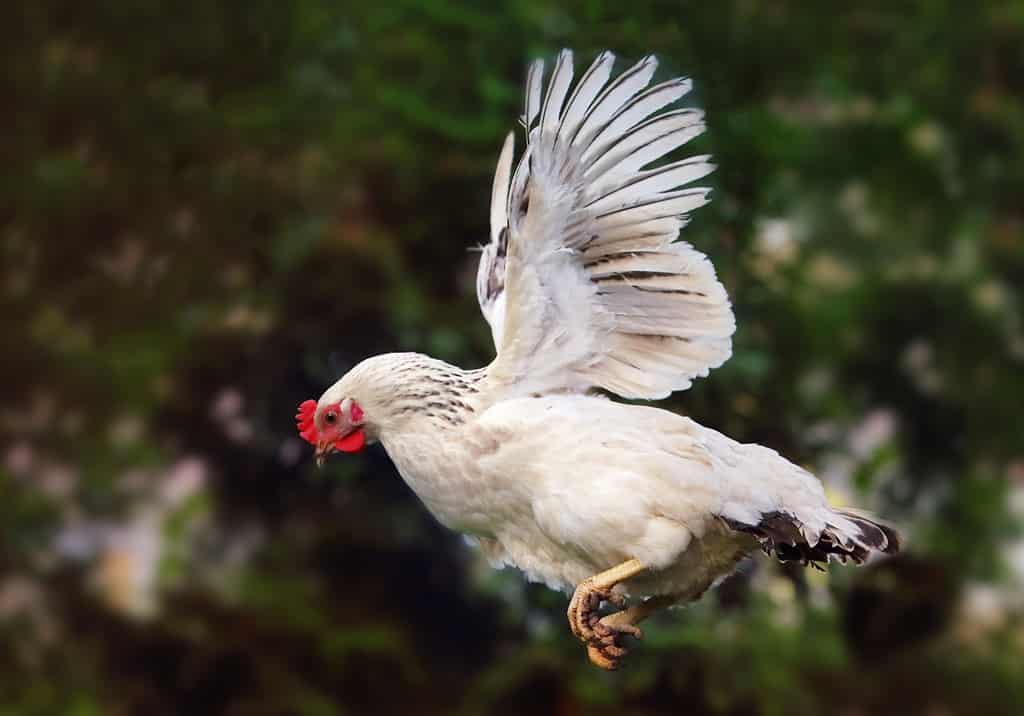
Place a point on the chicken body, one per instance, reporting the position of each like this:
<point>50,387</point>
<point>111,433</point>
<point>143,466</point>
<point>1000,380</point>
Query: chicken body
<point>564,486</point>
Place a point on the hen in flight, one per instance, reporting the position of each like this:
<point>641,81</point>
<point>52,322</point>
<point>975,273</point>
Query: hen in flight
<point>586,289</point>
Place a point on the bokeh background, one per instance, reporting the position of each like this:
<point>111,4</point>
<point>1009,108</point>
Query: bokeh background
<point>210,210</point>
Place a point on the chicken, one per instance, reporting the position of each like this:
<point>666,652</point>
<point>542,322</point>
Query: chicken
<point>586,288</point>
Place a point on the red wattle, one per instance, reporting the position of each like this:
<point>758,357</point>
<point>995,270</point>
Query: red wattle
<point>353,442</point>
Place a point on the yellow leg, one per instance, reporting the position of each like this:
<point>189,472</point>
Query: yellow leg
<point>601,637</point>
<point>636,614</point>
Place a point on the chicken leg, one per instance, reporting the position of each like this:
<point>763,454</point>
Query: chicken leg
<point>603,635</point>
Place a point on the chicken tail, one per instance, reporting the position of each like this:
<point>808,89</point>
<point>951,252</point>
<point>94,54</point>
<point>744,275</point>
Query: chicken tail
<point>845,536</point>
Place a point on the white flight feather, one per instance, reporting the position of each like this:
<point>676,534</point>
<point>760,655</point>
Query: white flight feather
<point>499,192</point>
<point>638,109</point>
<point>660,206</point>
<point>561,78</point>
<point>656,181</point>
<point>534,80</point>
<point>586,90</point>
<point>614,96</point>
<point>647,143</point>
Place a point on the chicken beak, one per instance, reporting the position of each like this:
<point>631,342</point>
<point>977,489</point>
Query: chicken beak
<point>323,449</point>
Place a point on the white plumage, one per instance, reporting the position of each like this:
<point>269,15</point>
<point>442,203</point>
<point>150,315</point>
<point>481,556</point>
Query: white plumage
<point>585,287</point>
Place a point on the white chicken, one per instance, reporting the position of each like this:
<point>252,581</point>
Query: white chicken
<point>585,288</point>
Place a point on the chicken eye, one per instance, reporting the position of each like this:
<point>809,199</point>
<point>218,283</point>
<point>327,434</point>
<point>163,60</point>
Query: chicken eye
<point>330,418</point>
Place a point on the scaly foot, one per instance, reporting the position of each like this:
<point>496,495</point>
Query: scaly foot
<point>606,649</point>
<point>603,635</point>
<point>584,608</point>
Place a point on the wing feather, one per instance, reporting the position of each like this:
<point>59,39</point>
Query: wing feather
<point>534,85</point>
<point>642,185</point>
<point>586,91</point>
<point>637,110</point>
<point>615,95</point>
<point>490,276</point>
<point>647,143</point>
<point>596,291</point>
<point>561,78</point>
<point>499,192</point>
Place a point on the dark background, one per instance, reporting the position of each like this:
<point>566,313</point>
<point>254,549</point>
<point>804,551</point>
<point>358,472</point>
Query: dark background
<point>210,210</point>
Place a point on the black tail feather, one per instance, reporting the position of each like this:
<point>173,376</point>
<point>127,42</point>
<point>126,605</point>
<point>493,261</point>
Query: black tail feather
<point>875,535</point>
<point>779,533</point>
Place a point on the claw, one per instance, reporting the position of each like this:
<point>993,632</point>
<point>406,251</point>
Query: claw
<point>613,651</point>
<point>607,650</point>
<point>603,635</point>
<point>603,638</point>
<point>608,629</point>
<point>584,609</point>
<point>609,642</point>
<point>598,658</point>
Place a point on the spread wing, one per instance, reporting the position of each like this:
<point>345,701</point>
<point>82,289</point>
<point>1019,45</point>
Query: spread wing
<point>583,282</point>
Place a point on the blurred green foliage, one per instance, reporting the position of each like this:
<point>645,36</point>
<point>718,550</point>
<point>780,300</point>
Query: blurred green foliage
<point>210,210</point>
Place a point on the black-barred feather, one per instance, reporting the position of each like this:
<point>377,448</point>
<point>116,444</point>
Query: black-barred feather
<point>781,534</point>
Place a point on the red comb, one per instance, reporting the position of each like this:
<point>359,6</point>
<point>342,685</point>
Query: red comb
<point>304,421</point>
